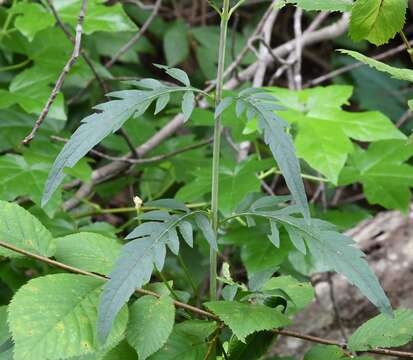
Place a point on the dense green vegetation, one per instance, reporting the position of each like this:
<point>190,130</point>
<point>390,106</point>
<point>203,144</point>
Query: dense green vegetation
<point>172,173</point>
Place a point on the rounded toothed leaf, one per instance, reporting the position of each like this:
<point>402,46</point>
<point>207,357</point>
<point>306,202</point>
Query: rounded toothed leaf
<point>54,317</point>
<point>20,228</point>
<point>151,323</point>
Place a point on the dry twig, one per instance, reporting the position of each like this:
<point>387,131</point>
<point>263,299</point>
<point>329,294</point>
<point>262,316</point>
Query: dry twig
<point>62,76</point>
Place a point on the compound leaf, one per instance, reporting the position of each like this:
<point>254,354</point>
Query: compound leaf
<point>206,228</point>
<point>110,118</point>
<point>397,73</point>
<point>135,265</point>
<point>280,143</point>
<point>334,251</point>
<point>323,5</point>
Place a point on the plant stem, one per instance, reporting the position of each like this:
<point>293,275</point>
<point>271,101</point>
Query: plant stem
<point>99,211</point>
<point>7,21</point>
<point>188,275</point>
<point>168,286</point>
<point>216,148</point>
<point>407,45</point>
<point>272,171</point>
<point>15,66</point>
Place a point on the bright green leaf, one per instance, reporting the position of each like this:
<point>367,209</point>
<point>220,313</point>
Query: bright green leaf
<point>377,21</point>
<point>123,351</point>
<point>69,329</point>
<point>4,328</point>
<point>261,254</point>
<point>20,228</point>
<point>323,5</point>
<point>26,176</point>
<point>383,332</point>
<point>187,341</point>
<point>397,73</point>
<point>325,130</point>
<point>244,319</point>
<point>325,352</point>
<point>88,251</point>
<point>175,43</point>
<point>301,293</point>
<point>382,170</point>
<point>31,18</point>
<point>99,17</point>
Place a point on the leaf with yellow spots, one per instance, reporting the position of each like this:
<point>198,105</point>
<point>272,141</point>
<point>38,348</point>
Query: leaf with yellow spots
<point>54,317</point>
<point>381,331</point>
<point>20,228</point>
<point>188,341</point>
<point>88,251</point>
<point>151,323</point>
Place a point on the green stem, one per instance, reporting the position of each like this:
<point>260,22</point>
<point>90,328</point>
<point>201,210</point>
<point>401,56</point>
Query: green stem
<point>188,275</point>
<point>407,45</point>
<point>216,148</point>
<point>236,6</point>
<point>168,286</point>
<point>7,21</point>
<point>15,66</point>
<point>99,211</point>
<point>272,171</point>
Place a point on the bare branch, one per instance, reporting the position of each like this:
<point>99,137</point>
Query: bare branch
<point>153,159</point>
<point>136,37</point>
<point>62,76</point>
<point>85,56</point>
<point>298,80</point>
<point>326,33</point>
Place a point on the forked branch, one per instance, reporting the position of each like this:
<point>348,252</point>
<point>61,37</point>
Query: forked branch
<point>59,83</point>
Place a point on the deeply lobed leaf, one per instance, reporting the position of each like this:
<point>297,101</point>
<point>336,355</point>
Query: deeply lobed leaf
<point>135,265</point>
<point>280,143</point>
<point>110,118</point>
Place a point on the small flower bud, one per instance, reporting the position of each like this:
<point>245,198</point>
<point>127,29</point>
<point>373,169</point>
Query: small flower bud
<point>138,202</point>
